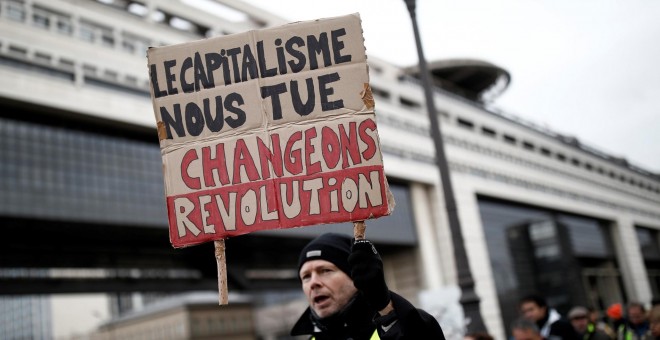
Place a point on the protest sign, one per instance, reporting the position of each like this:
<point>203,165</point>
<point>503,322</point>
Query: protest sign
<point>267,129</point>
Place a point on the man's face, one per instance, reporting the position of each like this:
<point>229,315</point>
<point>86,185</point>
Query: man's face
<point>525,334</point>
<point>580,324</point>
<point>531,311</point>
<point>327,288</point>
<point>636,315</point>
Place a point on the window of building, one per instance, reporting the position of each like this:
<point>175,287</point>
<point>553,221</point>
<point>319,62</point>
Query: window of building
<point>546,152</point>
<point>488,132</point>
<point>409,103</point>
<point>575,161</point>
<point>528,145</point>
<point>561,157</point>
<point>509,139</point>
<point>15,10</point>
<point>569,258</point>
<point>464,123</point>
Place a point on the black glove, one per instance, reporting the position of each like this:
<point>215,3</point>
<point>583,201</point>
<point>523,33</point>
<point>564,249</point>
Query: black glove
<point>367,274</point>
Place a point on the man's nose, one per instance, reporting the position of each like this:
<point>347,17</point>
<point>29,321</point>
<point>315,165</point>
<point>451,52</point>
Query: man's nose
<point>314,280</point>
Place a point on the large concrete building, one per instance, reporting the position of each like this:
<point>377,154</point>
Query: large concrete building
<point>81,184</point>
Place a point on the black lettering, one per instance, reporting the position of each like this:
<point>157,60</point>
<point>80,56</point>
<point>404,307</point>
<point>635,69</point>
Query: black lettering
<point>200,74</point>
<point>233,53</point>
<point>213,62</point>
<point>325,91</point>
<point>230,99</point>
<point>154,82</point>
<point>194,119</point>
<point>274,92</point>
<point>308,107</point>
<point>281,62</point>
<point>319,46</point>
<point>300,65</point>
<point>225,68</point>
<point>263,68</point>
<point>337,46</point>
<point>185,85</point>
<point>173,122</point>
<point>171,78</point>
<point>249,64</point>
<point>214,124</point>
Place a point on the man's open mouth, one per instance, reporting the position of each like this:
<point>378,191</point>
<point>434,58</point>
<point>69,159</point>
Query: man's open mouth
<point>320,299</point>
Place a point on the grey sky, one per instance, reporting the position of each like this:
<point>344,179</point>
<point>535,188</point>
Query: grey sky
<point>588,68</point>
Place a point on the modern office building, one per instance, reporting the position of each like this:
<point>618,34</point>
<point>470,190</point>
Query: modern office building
<point>81,190</point>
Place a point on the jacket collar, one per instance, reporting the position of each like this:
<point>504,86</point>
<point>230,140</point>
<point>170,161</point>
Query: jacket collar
<point>356,315</point>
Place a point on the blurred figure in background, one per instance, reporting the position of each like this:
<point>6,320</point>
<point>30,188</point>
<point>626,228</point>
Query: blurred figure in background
<point>654,319</point>
<point>549,322</point>
<point>524,329</point>
<point>595,318</point>
<point>615,316</point>
<point>636,325</point>
<point>586,330</point>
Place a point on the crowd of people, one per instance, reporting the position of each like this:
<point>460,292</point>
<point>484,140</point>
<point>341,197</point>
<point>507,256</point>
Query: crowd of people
<point>630,322</point>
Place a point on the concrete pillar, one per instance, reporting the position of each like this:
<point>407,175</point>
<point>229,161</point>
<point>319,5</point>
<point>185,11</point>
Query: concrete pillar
<point>631,262</point>
<point>427,237</point>
<point>478,257</point>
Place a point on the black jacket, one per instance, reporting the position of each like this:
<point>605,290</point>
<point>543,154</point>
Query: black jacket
<point>359,321</point>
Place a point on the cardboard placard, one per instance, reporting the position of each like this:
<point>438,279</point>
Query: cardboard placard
<point>267,129</point>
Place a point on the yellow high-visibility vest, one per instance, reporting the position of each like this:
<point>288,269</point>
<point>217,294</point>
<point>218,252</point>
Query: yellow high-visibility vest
<point>373,336</point>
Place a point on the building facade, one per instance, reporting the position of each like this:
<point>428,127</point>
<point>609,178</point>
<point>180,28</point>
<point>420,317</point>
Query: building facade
<point>539,211</point>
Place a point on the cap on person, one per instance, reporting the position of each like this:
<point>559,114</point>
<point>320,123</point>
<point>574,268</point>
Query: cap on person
<point>578,312</point>
<point>331,247</point>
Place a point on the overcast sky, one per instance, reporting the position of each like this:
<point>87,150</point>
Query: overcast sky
<point>587,68</point>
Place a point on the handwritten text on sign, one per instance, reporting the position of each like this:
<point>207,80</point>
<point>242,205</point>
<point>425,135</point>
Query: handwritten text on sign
<point>267,129</point>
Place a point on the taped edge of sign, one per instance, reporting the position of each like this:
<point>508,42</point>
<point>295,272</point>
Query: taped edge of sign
<point>367,96</point>
<point>162,131</point>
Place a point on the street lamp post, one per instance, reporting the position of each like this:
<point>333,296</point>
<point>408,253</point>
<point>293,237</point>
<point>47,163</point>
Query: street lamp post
<point>469,299</point>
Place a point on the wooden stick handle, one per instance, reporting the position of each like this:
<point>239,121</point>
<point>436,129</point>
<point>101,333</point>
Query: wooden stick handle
<point>222,270</point>
<point>359,228</point>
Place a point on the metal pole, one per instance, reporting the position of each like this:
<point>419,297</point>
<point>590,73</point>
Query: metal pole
<point>469,299</point>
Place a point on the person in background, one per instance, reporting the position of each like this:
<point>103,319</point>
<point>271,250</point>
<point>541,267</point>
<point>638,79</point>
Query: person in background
<point>636,325</point>
<point>615,316</point>
<point>654,320</point>
<point>344,283</point>
<point>524,329</point>
<point>654,324</point>
<point>549,322</point>
<point>594,318</point>
<point>586,330</point>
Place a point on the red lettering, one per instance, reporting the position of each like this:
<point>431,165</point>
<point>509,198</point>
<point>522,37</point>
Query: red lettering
<point>330,147</point>
<point>315,167</point>
<point>274,157</point>
<point>243,159</point>
<point>219,164</point>
<point>370,151</point>
<point>349,145</point>
<point>293,158</point>
<point>191,182</point>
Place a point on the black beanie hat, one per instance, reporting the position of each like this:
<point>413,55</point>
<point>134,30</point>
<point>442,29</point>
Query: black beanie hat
<point>331,247</point>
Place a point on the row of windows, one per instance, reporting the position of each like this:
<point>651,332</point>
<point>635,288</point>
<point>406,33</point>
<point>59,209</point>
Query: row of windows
<point>547,152</point>
<point>528,145</point>
<point>79,175</point>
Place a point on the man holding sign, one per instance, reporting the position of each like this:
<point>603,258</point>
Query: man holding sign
<point>344,283</point>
